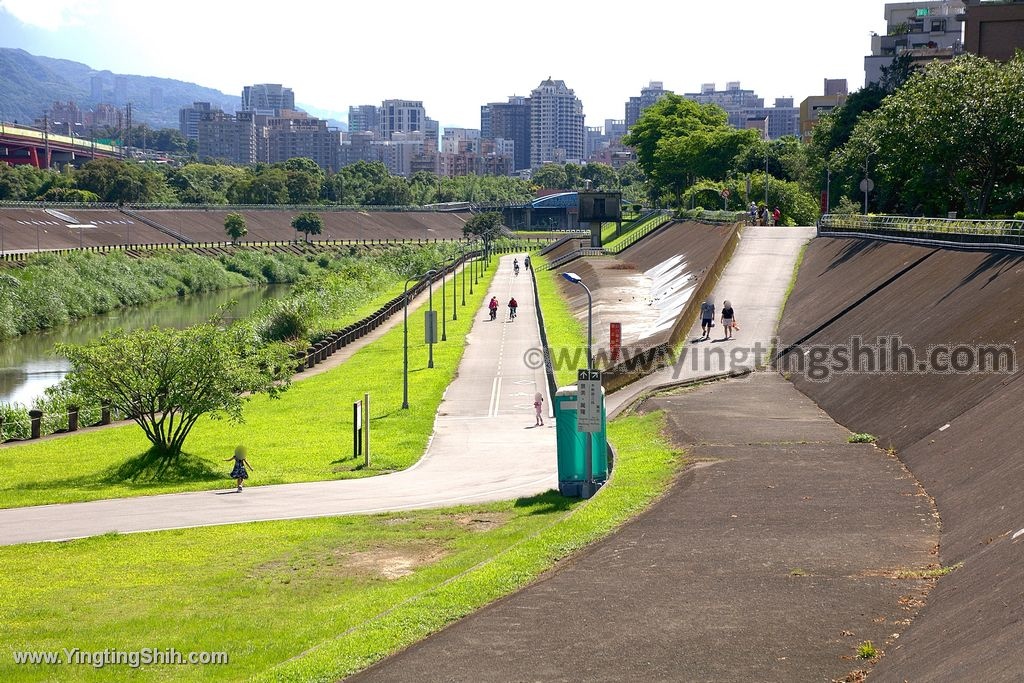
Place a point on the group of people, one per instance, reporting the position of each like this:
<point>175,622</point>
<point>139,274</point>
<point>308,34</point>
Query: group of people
<point>492,307</point>
<point>760,215</point>
<point>707,318</point>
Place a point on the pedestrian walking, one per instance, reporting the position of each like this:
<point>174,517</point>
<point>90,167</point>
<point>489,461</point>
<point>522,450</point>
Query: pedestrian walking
<point>512,306</point>
<point>526,261</point>
<point>776,216</point>
<point>728,318</point>
<point>239,472</point>
<point>707,316</point>
<point>538,408</point>
<point>753,213</point>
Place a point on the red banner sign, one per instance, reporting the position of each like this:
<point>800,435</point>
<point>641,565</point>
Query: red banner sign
<point>615,338</point>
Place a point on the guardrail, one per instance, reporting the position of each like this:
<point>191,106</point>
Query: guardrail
<point>520,244</point>
<point>639,232</point>
<point>969,233</point>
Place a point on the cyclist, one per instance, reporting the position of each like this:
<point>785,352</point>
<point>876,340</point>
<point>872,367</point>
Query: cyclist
<point>512,306</point>
<point>515,266</point>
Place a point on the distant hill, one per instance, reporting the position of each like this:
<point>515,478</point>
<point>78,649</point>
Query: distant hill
<point>29,85</point>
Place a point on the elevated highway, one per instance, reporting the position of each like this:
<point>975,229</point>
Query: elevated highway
<point>42,149</point>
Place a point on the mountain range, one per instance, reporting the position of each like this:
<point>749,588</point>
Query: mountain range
<point>30,84</point>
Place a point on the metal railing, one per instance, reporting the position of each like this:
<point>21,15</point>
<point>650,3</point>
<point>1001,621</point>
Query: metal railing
<point>641,231</point>
<point>961,231</point>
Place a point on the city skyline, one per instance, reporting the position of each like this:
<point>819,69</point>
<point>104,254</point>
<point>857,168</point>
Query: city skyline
<point>785,49</point>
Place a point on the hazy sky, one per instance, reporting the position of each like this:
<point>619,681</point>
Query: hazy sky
<point>455,56</point>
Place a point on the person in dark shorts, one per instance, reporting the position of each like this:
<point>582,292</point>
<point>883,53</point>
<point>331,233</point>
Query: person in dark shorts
<point>512,306</point>
<point>707,316</point>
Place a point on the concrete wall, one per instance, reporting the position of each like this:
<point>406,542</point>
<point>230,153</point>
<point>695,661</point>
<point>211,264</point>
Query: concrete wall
<point>959,433</point>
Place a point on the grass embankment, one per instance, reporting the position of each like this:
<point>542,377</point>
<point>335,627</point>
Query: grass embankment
<point>566,335</point>
<point>305,435</point>
<point>307,600</point>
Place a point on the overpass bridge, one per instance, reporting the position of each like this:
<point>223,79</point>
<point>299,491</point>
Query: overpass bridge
<point>42,149</point>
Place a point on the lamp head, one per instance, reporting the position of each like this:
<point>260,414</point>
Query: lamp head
<point>572,277</point>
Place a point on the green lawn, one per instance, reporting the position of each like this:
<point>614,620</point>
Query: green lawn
<point>567,336</point>
<point>305,600</point>
<point>305,435</point>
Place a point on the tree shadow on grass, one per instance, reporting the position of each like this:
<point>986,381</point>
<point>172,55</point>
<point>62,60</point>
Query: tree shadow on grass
<point>546,503</point>
<point>151,467</point>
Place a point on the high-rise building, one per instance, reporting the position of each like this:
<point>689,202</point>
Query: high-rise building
<point>96,89</point>
<point>556,124</point>
<point>737,102</point>
<point>362,118</point>
<point>635,106</point>
<point>189,117</point>
<point>926,31</point>
<point>270,99</point>
<point>120,90</point>
<point>509,121</point>
<point>994,30</point>
<point>816,106</point>
<point>401,116</point>
<point>836,86</point>
<point>233,139</point>
<point>296,134</point>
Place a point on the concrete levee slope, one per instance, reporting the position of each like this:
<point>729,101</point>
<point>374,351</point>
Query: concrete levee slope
<point>29,229</point>
<point>112,227</point>
<point>650,287</point>
<point>272,225</point>
<point>956,427</point>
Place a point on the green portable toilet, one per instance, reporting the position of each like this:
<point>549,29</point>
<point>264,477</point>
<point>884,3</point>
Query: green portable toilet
<point>572,445</point>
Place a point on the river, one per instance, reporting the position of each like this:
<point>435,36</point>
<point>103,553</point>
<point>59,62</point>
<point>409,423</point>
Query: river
<point>28,364</point>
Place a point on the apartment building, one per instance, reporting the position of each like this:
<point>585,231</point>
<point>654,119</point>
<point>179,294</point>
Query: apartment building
<point>556,124</point>
<point>635,106</point>
<point>994,30</point>
<point>362,118</point>
<point>816,106</point>
<point>744,106</point>
<point>189,117</point>
<point>924,30</point>
<point>233,139</point>
<point>509,121</point>
<point>269,99</point>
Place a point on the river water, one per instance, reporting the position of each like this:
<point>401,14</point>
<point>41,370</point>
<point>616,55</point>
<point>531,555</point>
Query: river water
<point>28,364</point>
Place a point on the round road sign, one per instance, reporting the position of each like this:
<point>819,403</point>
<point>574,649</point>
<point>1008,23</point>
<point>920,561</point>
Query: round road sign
<point>867,185</point>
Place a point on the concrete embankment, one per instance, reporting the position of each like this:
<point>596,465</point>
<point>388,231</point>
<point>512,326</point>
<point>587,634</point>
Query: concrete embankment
<point>938,312</point>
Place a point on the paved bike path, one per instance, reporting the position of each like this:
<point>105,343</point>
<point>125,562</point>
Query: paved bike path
<point>484,448</point>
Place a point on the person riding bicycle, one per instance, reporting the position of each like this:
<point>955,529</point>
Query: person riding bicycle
<point>493,307</point>
<point>512,306</point>
<point>515,266</point>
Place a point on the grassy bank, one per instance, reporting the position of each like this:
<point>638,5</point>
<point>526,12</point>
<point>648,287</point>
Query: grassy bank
<point>305,435</point>
<point>308,600</point>
<point>567,338</point>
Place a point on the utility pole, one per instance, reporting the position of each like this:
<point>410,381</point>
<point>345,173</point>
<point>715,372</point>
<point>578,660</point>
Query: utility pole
<point>46,140</point>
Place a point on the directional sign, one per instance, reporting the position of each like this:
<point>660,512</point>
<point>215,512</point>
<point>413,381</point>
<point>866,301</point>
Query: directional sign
<point>590,401</point>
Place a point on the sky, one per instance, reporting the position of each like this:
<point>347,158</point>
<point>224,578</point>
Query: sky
<point>455,55</point>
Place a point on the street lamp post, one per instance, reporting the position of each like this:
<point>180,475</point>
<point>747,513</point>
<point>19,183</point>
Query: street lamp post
<point>455,289</point>
<point>405,344</point>
<point>588,463</point>
<point>430,307</point>
<point>866,183</point>
<point>576,279</point>
<point>828,188</point>
<point>464,253</point>
<point>405,338</point>
<point>444,313</point>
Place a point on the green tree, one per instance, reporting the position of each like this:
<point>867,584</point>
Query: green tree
<point>304,180</point>
<point>113,180</point>
<point>552,176</point>
<point>166,379</point>
<point>487,226</point>
<point>392,191</point>
<point>308,223</point>
<point>678,141</point>
<point>234,226</point>
<point>205,183</point>
<point>952,138</point>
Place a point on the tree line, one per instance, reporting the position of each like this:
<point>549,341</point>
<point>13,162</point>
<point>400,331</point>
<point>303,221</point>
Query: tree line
<point>945,137</point>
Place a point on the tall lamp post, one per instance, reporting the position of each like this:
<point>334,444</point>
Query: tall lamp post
<point>867,184</point>
<point>405,340</point>
<point>430,307</point>
<point>576,279</point>
<point>444,313</point>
